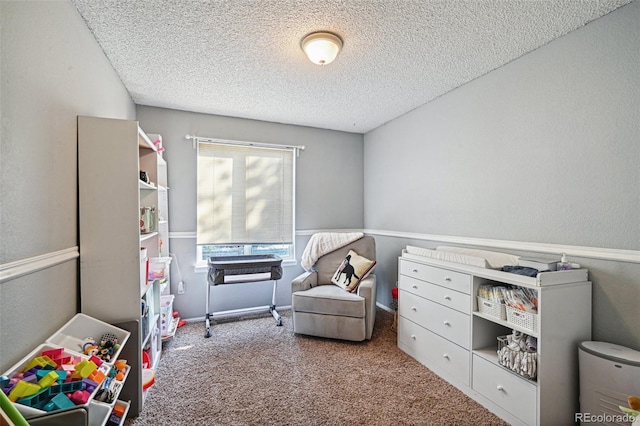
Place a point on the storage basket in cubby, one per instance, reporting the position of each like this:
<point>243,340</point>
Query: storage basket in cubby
<point>166,313</point>
<point>524,363</point>
<point>159,268</point>
<point>525,320</point>
<point>494,309</point>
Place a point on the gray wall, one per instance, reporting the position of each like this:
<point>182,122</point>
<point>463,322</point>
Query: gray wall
<point>329,195</point>
<point>52,70</point>
<point>545,149</point>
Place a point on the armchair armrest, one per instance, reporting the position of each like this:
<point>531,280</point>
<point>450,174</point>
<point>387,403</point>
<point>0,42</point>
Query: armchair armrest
<point>304,281</point>
<point>367,289</point>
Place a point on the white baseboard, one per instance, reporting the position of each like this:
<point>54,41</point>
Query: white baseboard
<point>385,308</point>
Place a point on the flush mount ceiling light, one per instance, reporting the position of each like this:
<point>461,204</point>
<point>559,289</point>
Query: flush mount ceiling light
<point>321,47</point>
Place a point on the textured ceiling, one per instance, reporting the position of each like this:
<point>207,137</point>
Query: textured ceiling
<point>242,58</point>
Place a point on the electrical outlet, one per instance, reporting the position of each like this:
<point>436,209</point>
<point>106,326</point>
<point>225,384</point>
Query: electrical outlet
<point>181,287</point>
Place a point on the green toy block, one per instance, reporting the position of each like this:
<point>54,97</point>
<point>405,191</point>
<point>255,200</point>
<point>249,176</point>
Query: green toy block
<point>22,389</point>
<point>84,369</point>
<point>48,379</point>
<point>42,361</point>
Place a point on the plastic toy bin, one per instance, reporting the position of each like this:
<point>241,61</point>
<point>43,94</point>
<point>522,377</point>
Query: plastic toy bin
<point>166,312</point>
<point>73,335</point>
<point>99,412</point>
<point>159,268</point>
<point>27,410</point>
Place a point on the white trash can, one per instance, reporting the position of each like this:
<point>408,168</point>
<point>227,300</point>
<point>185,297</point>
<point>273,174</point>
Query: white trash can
<point>609,374</point>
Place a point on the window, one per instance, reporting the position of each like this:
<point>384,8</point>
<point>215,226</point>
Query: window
<point>245,200</point>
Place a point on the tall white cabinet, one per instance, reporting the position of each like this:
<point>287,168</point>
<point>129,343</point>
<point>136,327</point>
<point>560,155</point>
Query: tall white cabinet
<point>113,279</point>
<point>441,326</point>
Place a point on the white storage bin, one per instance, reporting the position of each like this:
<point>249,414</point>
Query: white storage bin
<point>100,413</point>
<point>526,320</point>
<point>159,268</point>
<point>166,313</point>
<point>74,334</point>
<point>28,411</point>
<point>492,308</point>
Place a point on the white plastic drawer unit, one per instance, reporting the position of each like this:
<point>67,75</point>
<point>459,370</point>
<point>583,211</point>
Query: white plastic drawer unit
<point>434,351</point>
<point>442,295</point>
<point>448,323</point>
<point>514,394</point>
<point>443,277</point>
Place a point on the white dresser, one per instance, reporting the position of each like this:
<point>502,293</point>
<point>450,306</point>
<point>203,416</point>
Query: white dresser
<point>440,326</point>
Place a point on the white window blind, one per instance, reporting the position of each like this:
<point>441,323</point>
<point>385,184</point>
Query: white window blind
<point>245,194</point>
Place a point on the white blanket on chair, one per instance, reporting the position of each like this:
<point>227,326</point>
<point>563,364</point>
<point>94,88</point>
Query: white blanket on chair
<point>322,243</point>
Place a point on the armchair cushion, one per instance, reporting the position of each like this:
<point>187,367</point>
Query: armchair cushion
<point>329,300</point>
<point>352,270</point>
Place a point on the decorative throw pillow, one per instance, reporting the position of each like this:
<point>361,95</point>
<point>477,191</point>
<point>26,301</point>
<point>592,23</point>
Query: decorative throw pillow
<point>353,269</point>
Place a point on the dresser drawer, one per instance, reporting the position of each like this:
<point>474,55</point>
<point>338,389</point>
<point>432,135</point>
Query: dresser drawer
<point>433,351</point>
<point>448,323</point>
<point>512,393</point>
<point>442,295</point>
<point>443,277</point>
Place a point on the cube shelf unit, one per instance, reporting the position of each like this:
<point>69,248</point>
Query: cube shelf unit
<point>441,326</point>
<point>113,282</point>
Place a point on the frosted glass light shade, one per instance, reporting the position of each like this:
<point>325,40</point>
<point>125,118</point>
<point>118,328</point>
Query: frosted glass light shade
<point>321,48</point>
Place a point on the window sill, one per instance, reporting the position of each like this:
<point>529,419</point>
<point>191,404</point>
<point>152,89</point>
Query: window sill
<point>202,267</point>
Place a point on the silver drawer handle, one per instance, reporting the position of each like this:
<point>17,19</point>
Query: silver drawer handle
<point>413,336</point>
<point>447,298</point>
<point>447,279</point>
<point>447,323</point>
<point>414,309</point>
<point>500,388</point>
<point>415,271</point>
<point>414,286</point>
<point>445,356</point>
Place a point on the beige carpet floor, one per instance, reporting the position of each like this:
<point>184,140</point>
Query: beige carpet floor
<point>251,372</point>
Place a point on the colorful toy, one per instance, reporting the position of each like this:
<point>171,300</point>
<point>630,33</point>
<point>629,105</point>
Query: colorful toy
<point>40,361</point>
<point>79,397</point>
<point>41,386</point>
<point>58,402</point>
<point>97,377</point>
<point>22,389</point>
<point>48,378</point>
<point>84,369</point>
<point>107,348</point>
